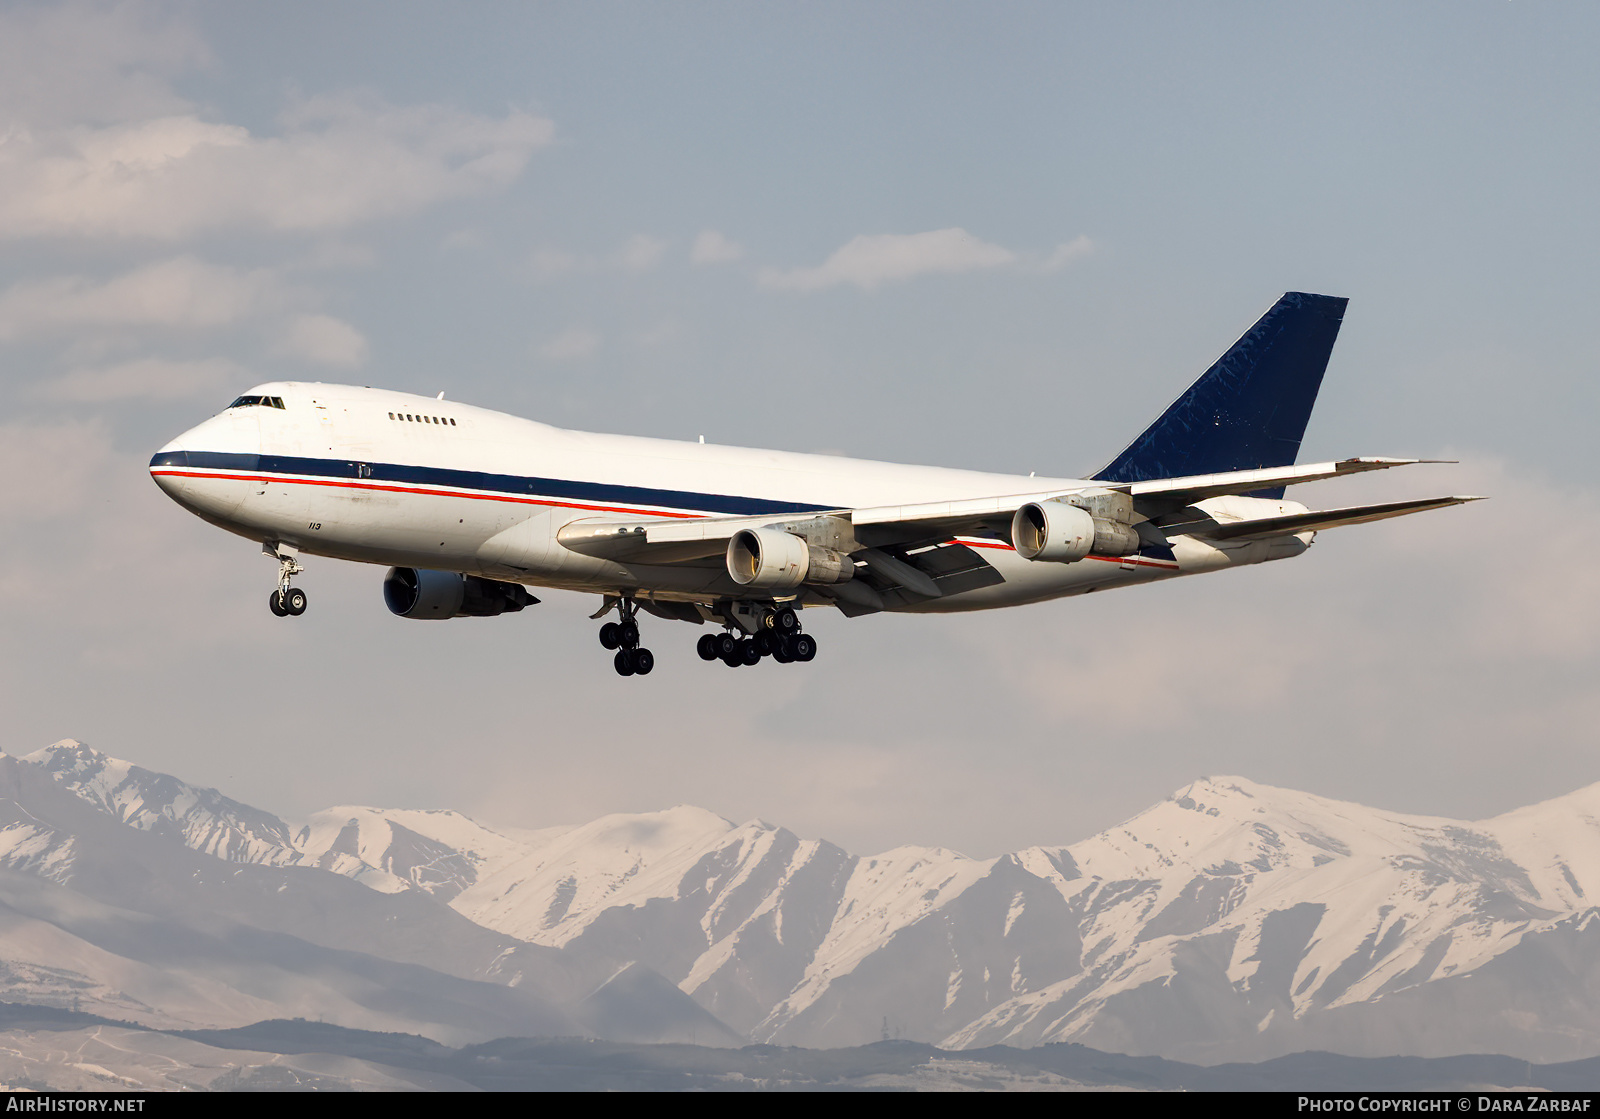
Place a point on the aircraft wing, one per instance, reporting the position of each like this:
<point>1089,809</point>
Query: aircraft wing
<point>690,539</point>
<point>992,516</point>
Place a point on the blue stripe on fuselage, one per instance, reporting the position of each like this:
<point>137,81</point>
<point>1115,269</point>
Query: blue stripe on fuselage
<point>560,489</point>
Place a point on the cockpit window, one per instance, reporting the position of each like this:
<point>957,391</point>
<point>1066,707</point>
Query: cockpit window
<point>258,401</point>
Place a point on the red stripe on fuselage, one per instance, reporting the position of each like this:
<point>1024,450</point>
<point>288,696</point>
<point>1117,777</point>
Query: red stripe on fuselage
<point>340,483</point>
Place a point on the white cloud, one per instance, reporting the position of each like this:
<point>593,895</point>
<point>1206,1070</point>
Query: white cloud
<point>77,62</point>
<point>339,161</point>
<point>641,253</point>
<point>182,292</point>
<point>871,260</point>
<point>147,378</point>
<point>550,263</point>
<point>468,238</point>
<point>711,247</point>
<point>324,340</point>
<point>572,344</point>
<point>1067,252</point>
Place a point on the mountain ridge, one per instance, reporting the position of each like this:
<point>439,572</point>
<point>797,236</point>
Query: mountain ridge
<point>1228,921</point>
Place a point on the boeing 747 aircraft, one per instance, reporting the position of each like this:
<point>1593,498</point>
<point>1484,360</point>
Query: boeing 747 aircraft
<point>469,507</point>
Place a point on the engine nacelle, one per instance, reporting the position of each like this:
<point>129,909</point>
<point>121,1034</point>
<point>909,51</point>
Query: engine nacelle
<point>769,559</point>
<point>1064,529</point>
<point>1052,531</point>
<point>413,593</point>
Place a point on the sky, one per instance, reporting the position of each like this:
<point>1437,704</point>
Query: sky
<point>959,234</point>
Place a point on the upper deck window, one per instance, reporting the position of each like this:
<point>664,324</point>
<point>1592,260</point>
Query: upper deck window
<point>258,401</point>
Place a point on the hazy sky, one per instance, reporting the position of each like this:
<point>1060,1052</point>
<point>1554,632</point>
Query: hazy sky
<point>645,219</point>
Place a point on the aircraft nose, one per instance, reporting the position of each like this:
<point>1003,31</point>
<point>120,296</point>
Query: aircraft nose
<point>201,469</point>
<point>166,464</point>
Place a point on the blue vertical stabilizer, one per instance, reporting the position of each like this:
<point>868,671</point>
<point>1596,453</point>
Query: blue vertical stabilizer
<point>1250,409</point>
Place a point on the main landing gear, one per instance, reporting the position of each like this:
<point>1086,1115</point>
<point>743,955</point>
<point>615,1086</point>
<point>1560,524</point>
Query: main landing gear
<point>779,637</point>
<point>623,636</point>
<point>286,601</point>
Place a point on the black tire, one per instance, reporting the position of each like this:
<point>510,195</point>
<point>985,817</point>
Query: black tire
<point>727,645</point>
<point>295,602</point>
<point>733,659</point>
<point>785,620</point>
<point>643,661</point>
<point>748,653</point>
<point>623,662</point>
<point>805,646</point>
<point>765,642</point>
<point>277,607</point>
<point>708,647</point>
<point>781,653</point>
<point>629,632</point>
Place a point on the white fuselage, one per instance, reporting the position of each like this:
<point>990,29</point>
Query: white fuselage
<point>389,478</point>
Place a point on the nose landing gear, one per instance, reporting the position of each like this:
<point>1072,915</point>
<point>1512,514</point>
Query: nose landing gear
<point>286,601</point>
<point>623,636</point>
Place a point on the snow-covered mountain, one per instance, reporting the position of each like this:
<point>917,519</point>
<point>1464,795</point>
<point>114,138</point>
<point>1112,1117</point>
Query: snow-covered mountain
<point>115,899</point>
<point>1233,921</point>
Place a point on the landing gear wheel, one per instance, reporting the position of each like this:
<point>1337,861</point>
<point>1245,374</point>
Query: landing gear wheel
<point>804,646</point>
<point>785,620</point>
<point>748,653</point>
<point>764,642</point>
<point>708,647</point>
<point>781,652</point>
<point>286,601</point>
<point>623,636</point>
<point>727,645</point>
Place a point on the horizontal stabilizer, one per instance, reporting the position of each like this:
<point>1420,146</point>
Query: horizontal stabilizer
<point>1321,519</point>
<point>1160,495</point>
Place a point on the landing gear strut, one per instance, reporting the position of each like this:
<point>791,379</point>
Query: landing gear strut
<point>286,601</point>
<point>623,636</point>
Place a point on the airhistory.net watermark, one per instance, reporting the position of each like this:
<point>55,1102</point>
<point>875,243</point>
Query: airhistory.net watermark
<point>74,1103</point>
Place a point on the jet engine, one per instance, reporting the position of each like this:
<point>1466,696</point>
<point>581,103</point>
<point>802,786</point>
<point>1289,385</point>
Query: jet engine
<point>1068,528</point>
<point>1051,531</point>
<point>412,593</point>
<point>769,559</point>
